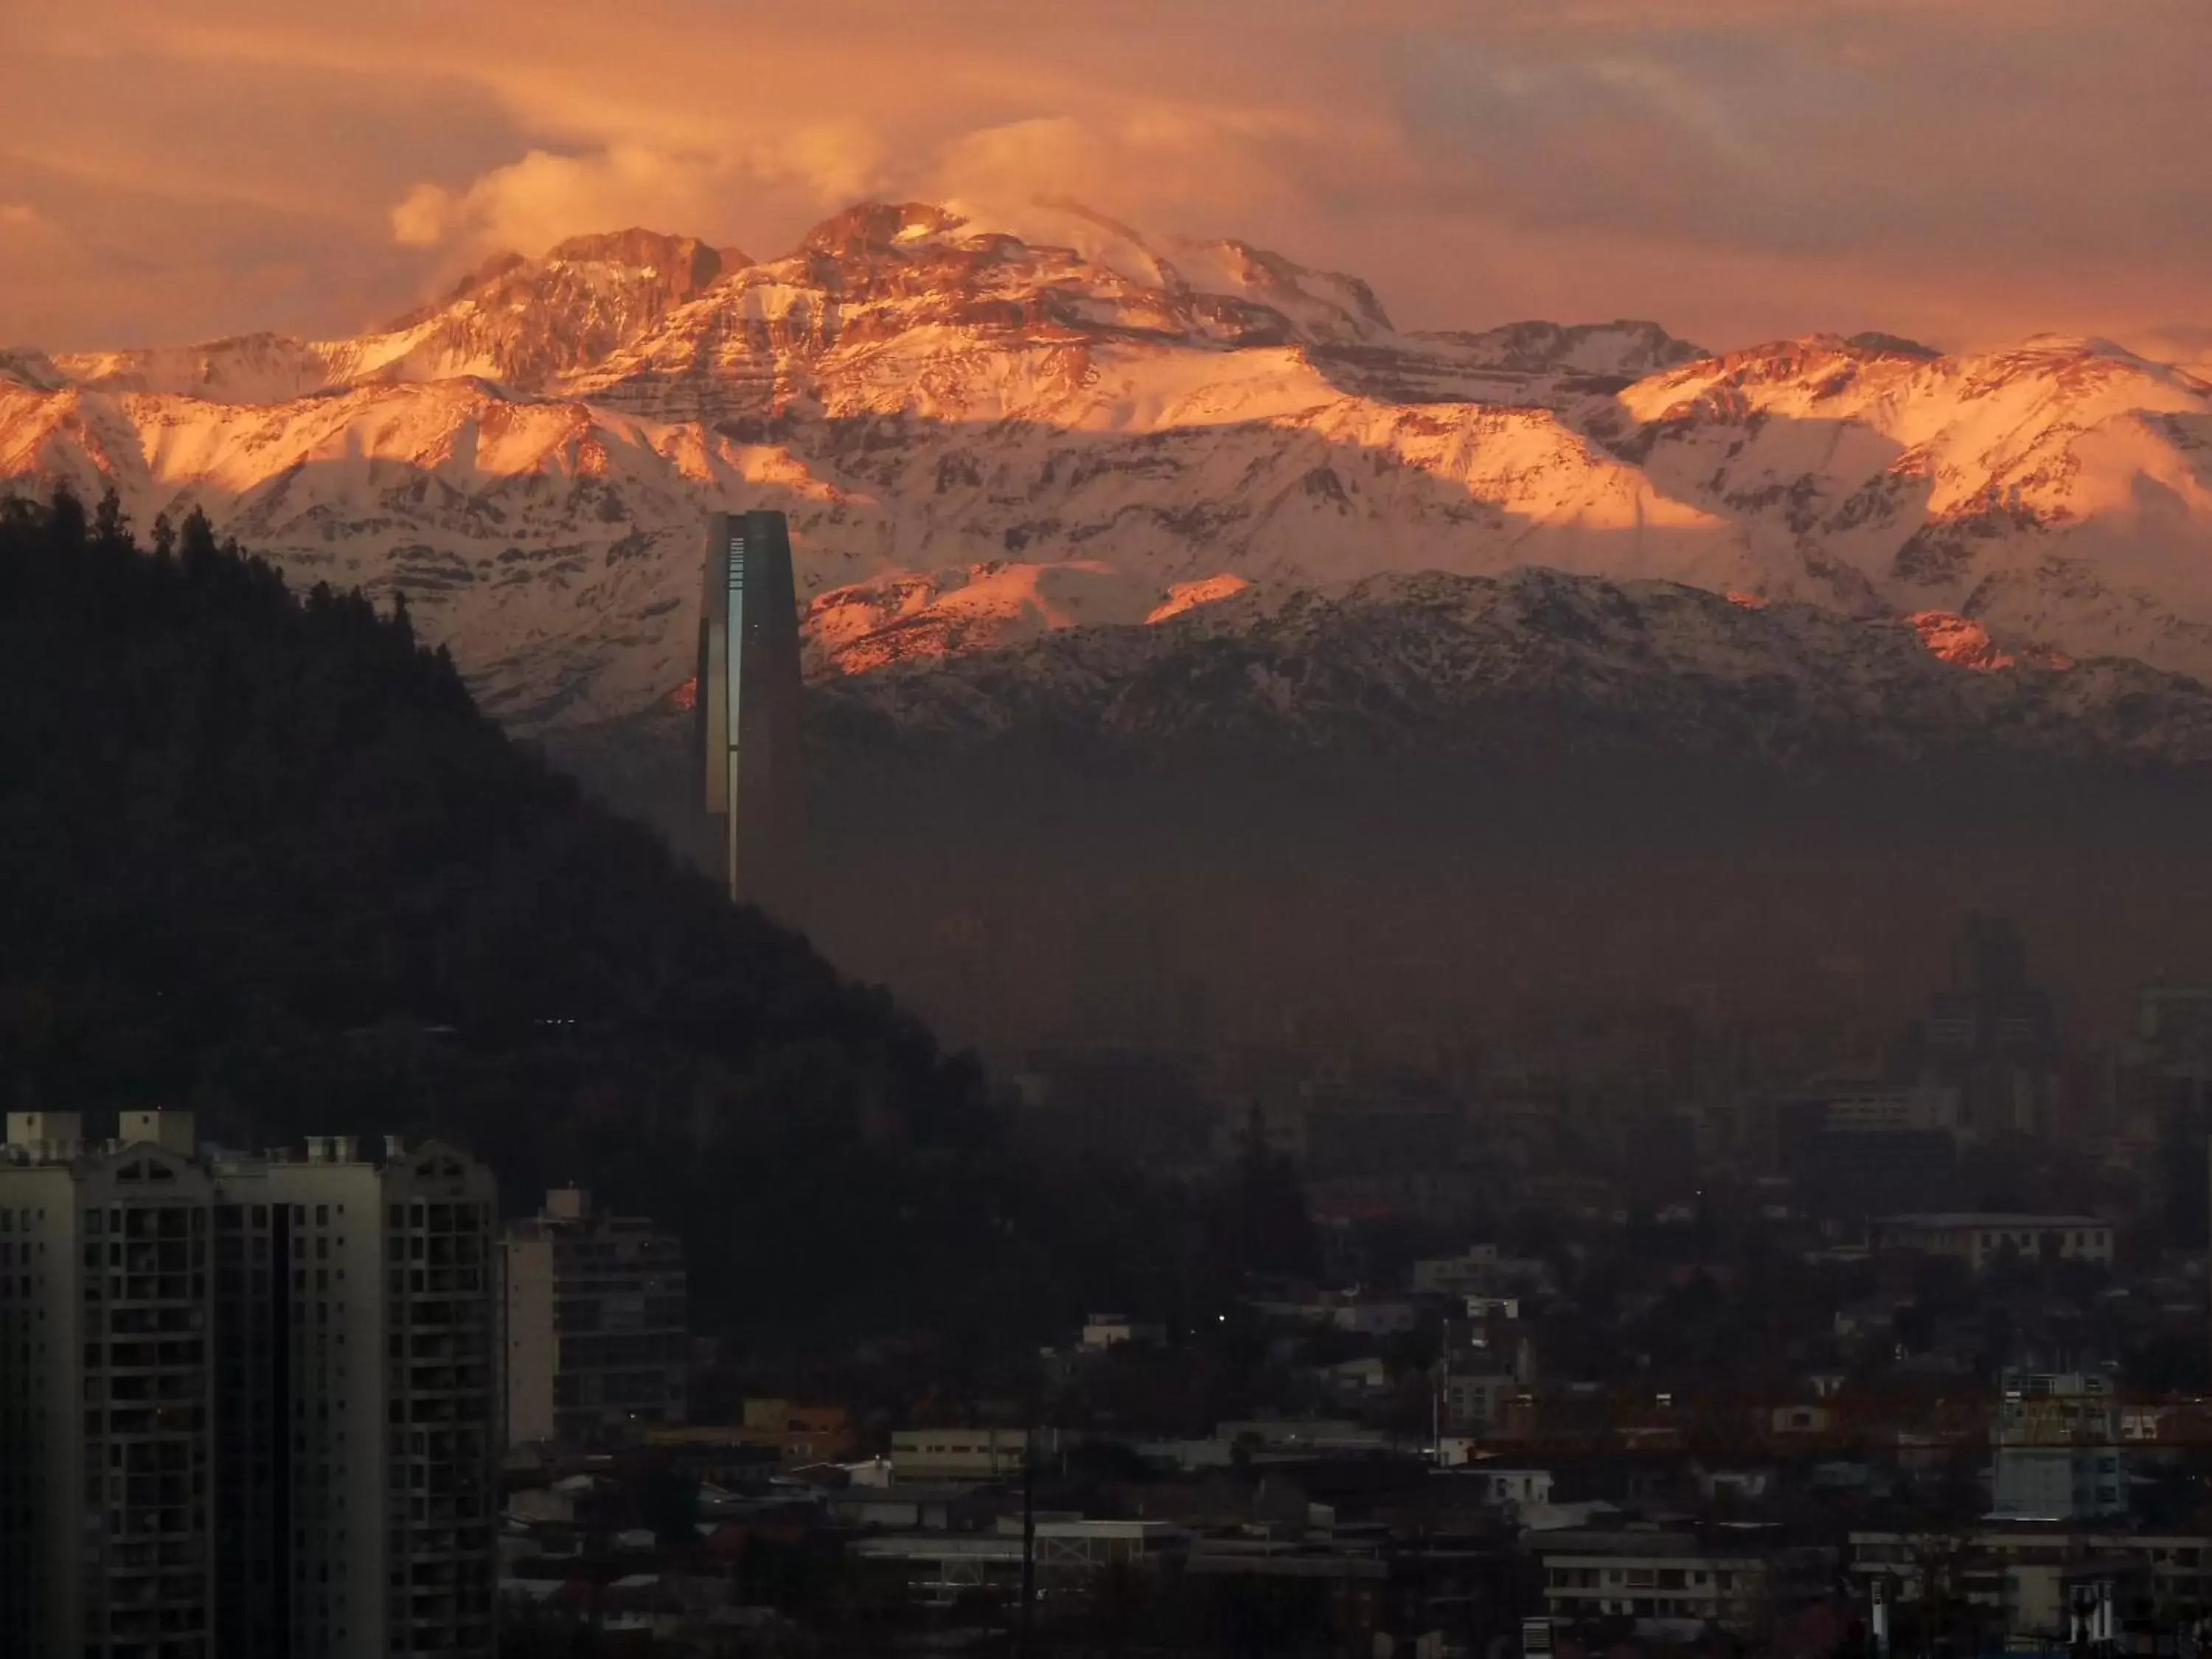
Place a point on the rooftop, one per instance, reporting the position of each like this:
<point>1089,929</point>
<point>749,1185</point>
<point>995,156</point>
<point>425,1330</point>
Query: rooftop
<point>1956,1219</point>
<point>909,1491</point>
<point>1755,1541</point>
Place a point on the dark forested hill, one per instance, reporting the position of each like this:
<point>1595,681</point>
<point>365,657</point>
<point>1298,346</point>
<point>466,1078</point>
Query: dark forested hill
<point>261,855</point>
<point>263,813</point>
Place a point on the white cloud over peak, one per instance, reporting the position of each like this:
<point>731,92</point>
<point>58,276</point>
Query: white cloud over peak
<point>1964,169</point>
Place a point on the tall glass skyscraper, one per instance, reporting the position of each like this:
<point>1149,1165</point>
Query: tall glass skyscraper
<point>747,714</point>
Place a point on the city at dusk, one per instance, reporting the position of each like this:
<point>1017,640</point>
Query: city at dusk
<point>1043,831</point>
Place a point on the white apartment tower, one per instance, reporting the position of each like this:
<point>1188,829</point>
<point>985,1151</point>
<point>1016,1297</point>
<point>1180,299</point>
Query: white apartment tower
<point>253,1395</point>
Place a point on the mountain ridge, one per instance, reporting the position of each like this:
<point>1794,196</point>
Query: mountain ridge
<point>1509,667</point>
<point>987,430</point>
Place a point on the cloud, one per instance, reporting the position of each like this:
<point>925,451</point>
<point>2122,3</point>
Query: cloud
<point>1153,160</point>
<point>1961,170</point>
<point>531,204</point>
<point>1149,159</point>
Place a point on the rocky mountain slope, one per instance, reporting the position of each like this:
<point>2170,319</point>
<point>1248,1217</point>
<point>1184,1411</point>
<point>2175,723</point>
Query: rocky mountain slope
<point>986,434</point>
<point>1538,666</point>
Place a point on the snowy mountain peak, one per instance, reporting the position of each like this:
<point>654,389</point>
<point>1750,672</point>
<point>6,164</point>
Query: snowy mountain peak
<point>1084,268</point>
<point>685,257</point>
<point>1895,345</point>
<point>520,323</point>
<point>675,268</point>
<point>994,425</point>
<point>1325,305</point>
<point>875,227</point>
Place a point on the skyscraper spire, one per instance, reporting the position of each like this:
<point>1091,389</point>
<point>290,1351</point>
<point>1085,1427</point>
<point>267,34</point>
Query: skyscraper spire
<point>746,725</point>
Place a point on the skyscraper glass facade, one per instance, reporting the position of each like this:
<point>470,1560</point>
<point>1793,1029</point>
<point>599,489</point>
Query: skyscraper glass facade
<point>747,708</point>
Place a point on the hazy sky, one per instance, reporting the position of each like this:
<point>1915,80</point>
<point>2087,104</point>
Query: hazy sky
<point>1967,170</point>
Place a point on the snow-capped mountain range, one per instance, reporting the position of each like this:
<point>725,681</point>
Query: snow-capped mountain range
<point>989,431</point>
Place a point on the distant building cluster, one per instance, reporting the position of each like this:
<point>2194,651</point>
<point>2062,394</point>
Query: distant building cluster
<point>1702,1335</point>
<point>257,1403</point>
<point>1546,1352</point>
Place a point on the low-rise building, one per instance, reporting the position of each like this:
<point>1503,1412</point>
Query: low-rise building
<point>932,1506</point>
<point>1979,1238</point>
<point>1512,1485</point>
<point>799,1433</point>
<point>1474,1271</point>
<point>1356,1311</point>
<point>1803,1419</point>
<point>1106,1330</point>
<point>948,1454</point>
<point>937,1568</point>
<point>1303,1437</point>
<point>1674,1582</point>
<point>771,1431</point>
<point>2023,1574</point>
<point>1374,1315</point>
<point>1363,1590</point>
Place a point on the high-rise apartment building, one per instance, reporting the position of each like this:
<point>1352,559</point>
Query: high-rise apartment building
<point>253,1397</point>
<point>746,711</point>
<point>597,1345</point>
<point>1992,1035</point>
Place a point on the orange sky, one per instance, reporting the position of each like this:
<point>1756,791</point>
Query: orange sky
<point>1966,171</point>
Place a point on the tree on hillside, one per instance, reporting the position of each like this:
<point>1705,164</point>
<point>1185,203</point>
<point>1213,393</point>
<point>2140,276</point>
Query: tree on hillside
<point>266,856</point>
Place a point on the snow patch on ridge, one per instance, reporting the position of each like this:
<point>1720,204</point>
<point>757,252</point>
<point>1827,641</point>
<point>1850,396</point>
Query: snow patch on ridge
<point>1965,643</point>
<point>1186,596</point>
<point>908,617</point>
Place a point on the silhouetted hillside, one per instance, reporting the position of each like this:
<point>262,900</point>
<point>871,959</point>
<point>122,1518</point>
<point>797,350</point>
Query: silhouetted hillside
<point>264,857</point>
